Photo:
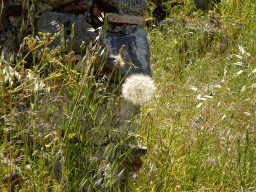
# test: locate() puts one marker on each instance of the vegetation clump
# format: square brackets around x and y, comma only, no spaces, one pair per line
[199,128]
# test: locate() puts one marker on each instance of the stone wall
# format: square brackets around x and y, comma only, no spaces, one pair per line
[125,26]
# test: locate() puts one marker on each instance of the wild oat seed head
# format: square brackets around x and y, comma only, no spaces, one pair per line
[138,88]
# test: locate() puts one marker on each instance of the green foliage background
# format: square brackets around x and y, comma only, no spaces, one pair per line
[199,128]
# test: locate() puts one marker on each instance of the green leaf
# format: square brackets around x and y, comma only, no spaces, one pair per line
[6,170]
[71,135]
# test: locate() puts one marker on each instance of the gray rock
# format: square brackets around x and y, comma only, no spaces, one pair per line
[55,3]
[205,4]
[167,22]
[136,50]
[42,7]
[119,28]
[7,44]
[138,6]
[51,22]
[199,3]
[8,167]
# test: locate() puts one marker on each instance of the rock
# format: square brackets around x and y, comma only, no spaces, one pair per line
[119,28]
[51,22]
[8,167]
[139,6]
[42,7]
[134,164]
[136,50]
[119,124]
[8,44]
[7,12]
[167,22]
[138,151]
[129,19]
[205,4]
[78,7]
[213,26]
[128,167]
[55,3]
[199,3]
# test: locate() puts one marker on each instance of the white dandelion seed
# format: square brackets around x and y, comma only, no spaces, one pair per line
[119,62]
[138,88]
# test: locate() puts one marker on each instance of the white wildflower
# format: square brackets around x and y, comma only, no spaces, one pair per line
[138,88]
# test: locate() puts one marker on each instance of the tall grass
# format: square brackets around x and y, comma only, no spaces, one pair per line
[199,128]
[62,129]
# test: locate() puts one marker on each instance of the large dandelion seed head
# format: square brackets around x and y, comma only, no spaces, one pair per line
[138,88]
